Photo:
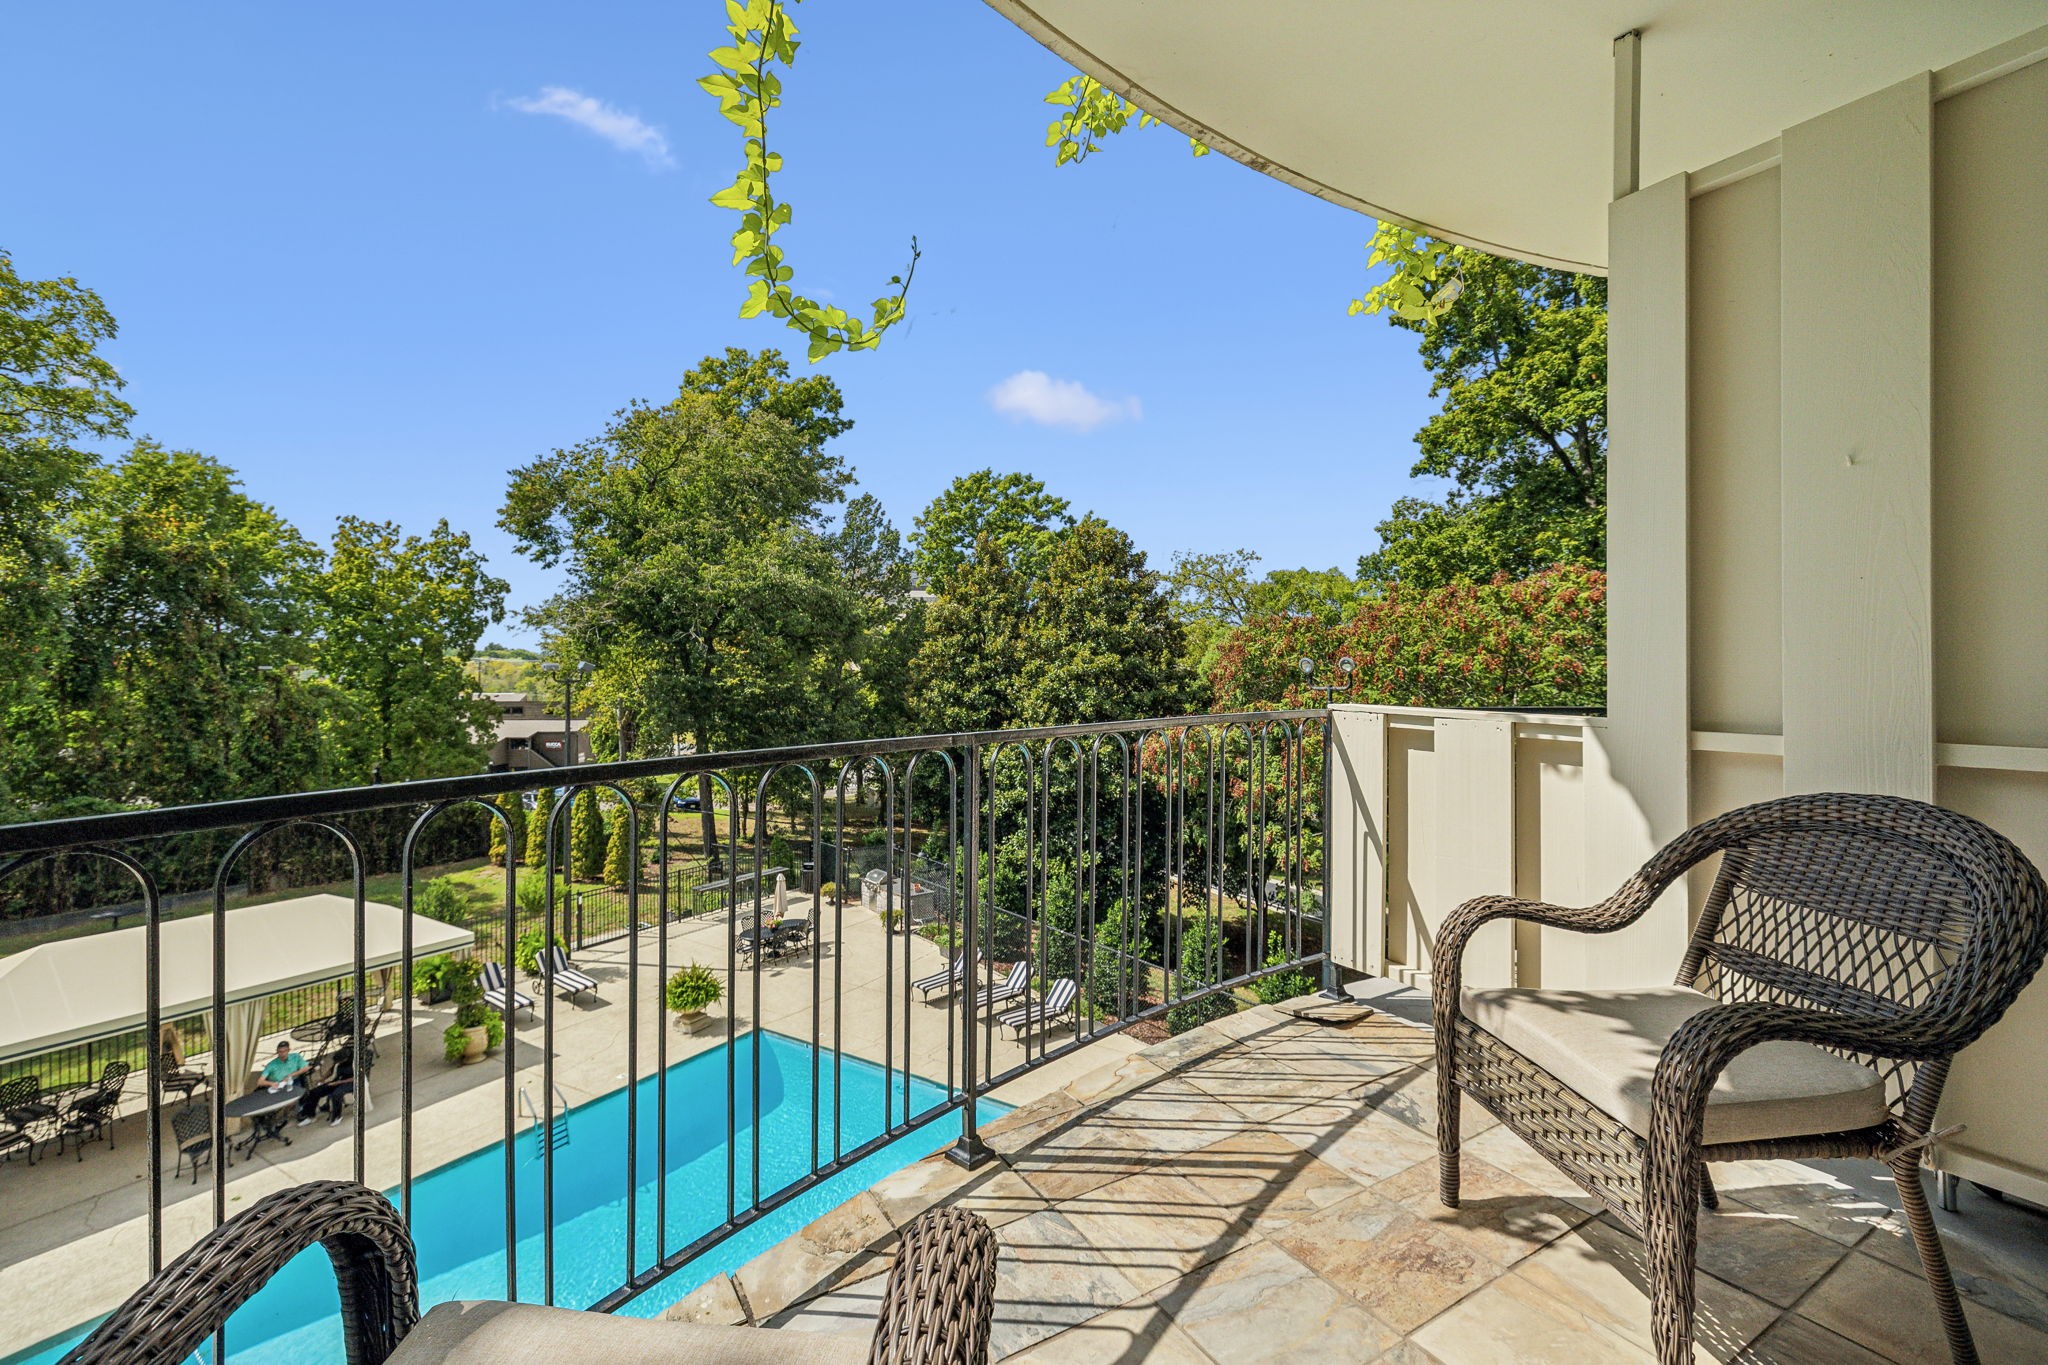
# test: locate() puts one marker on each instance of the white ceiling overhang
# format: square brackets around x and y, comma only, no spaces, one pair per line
[1490,122]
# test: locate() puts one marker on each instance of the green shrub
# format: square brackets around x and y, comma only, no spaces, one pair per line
[693,988]
[455,1043]
[526,949]
[430,975]
[1280,986]
[440,899]
[536,856]
[1201,964]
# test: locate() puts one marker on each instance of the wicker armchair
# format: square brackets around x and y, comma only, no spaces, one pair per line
[1849,948]
[939,1301]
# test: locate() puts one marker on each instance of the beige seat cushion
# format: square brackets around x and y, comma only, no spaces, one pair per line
[489,1333]
[1604,1045]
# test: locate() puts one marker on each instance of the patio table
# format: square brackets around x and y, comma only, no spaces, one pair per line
[266,1111]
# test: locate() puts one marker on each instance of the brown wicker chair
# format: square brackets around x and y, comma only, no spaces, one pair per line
[1849,948]
[936,1311]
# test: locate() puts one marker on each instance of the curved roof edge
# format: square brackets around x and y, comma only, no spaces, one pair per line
[1068,50]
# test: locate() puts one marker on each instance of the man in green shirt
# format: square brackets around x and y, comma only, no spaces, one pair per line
[283,1071]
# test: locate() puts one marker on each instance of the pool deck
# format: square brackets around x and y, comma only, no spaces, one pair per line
[73,1233]
[1265,1190]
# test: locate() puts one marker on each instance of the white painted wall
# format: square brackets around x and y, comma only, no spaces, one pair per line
[1829,546]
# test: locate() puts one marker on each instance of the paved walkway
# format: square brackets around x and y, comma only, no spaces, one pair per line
[74,1233]
[1266,1190]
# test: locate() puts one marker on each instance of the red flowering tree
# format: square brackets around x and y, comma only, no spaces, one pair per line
[1538,641]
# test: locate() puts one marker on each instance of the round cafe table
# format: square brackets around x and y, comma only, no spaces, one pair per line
[266,1111]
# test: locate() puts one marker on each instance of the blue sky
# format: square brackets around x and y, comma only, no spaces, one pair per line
[373,257]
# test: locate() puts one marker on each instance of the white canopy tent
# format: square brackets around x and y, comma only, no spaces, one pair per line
[80,989]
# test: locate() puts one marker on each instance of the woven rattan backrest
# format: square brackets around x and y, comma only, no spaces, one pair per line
[1871,905]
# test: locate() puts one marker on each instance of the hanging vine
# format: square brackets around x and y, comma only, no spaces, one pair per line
[747,87]
[1425,280]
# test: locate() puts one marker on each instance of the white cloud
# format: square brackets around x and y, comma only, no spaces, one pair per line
[623,130]
[1035,396]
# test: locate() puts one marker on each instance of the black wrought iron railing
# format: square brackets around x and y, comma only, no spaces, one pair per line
[1163,867]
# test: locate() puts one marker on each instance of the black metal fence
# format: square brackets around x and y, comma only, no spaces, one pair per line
[1153,863]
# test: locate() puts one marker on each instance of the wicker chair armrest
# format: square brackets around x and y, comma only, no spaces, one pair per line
[1701,1048]
[1447,961]
[174,1314]
[942,1293]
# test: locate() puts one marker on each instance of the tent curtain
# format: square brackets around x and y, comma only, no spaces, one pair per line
[237,1051]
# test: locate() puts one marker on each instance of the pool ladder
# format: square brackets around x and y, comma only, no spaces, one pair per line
[558,1126]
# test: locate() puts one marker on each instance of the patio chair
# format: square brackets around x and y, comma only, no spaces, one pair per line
[179,1079]
[1850,946]
[497,991]
[566,978]
[1012,987]
[942,984]
[15,1138]
[192,1129]
[22,1102]
[936,1308]
[1056,1004]
[93,1112]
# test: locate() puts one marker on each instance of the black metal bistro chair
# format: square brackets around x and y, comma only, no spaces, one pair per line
[93,1112]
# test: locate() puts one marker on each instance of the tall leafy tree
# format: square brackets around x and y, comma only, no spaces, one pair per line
[870,693]
[696,555]
[183,681]
[1520,363]
[1013,510]
[56,392]
[1100,641]
[397,616]
[965,672]
[1214,594]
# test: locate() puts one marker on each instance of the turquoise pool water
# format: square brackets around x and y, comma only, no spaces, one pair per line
[459,1208]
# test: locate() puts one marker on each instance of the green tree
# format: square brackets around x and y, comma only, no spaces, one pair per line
[698,570]
[1201,964]
[619,860]
[966,668]
[1214,594]
[586,839]
[536,855]
[1100,641]
[183,679]
[1521,366]
[56,390]
[397,617]
[511,844]
[1012,510]
[870,693]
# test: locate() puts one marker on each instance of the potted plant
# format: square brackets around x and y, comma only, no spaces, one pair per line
[689,992]
[430,979]
[477,1027]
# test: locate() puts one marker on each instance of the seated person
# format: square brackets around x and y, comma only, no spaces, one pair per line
[339,1084]
[285,1070]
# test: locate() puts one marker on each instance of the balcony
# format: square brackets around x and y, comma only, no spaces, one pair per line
[1249,1188]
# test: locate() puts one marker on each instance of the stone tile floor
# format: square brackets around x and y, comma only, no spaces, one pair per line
[1265,1190]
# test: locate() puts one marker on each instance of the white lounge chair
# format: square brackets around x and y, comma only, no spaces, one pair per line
[497,992]
[1056,1004]
[566,978]
[944,983]
[1013,987]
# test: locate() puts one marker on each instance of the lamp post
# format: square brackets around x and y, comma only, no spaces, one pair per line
[569,676]
[1333,989]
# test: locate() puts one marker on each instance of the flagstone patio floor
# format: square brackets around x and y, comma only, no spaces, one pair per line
[1266,1190]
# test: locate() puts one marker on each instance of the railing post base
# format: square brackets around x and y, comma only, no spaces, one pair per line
[970,1152]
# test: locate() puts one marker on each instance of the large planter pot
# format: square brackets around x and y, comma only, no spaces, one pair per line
[693,1021]
[433,997]
[479,1043]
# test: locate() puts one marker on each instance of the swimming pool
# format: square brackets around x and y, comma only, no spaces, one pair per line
[459,1208]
